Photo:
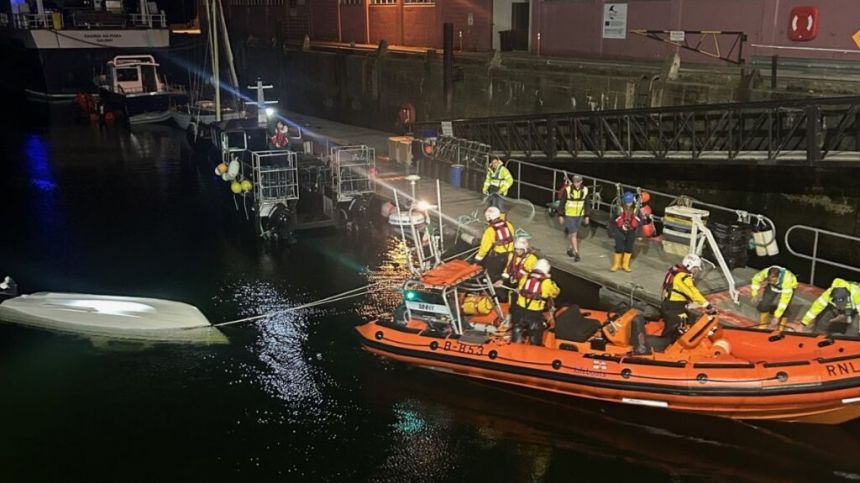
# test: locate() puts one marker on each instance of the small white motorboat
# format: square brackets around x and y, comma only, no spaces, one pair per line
[111,316]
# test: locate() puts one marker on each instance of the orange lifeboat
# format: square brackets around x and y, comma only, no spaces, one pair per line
[736,373]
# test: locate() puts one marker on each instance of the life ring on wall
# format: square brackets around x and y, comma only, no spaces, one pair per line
[406,114]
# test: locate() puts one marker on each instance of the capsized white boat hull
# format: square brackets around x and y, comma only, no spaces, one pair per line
[111,316]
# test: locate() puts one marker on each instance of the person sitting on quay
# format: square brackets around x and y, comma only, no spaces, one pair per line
[625,230]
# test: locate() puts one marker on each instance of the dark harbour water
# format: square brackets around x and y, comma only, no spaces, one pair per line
[292,398]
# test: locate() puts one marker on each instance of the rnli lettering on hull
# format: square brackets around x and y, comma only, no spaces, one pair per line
[842,369]
[94,39]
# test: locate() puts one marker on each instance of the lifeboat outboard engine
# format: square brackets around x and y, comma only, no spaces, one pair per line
[8,288]
[279,224]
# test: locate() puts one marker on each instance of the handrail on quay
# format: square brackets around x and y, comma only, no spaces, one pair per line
[813,257]
[597,184]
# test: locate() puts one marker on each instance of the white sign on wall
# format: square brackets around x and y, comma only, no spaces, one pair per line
[615,21]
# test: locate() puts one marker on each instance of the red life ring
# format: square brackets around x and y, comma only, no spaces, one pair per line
[406,113]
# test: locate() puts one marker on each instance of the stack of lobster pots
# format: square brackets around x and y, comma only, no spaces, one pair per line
[733,241]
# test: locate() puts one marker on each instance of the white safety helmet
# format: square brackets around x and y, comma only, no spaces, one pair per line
[492,213]
[521,243]
[692,262]
[543,266]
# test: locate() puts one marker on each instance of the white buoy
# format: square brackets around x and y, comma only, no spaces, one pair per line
[405,219]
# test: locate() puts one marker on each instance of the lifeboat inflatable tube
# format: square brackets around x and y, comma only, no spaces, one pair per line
[736,373]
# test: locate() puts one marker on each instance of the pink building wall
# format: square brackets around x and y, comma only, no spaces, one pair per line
[575,28]
[566,27]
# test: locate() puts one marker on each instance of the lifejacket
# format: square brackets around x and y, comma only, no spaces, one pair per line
[676,271]
[628,220]
[516,267]
[575,204]
[532,292]
[504,234]
[280,139]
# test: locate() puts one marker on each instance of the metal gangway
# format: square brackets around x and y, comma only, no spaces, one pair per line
[352,170]
[791,132]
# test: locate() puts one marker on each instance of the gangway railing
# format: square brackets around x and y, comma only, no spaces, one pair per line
[472,155]
[800,131]
[88,20]
[813,257]
[596,186]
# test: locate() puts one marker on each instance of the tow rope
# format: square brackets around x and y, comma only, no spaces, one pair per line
[327,300]
[356,292]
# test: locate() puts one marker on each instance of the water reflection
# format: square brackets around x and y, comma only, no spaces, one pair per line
[390,272]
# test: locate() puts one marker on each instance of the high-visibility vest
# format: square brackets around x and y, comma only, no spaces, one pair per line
[785,285]
[575,204]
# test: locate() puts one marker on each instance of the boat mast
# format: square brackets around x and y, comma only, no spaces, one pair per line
[228,50]
[215,66]
[144,14]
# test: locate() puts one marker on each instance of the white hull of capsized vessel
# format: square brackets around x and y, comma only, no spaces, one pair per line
[111,316]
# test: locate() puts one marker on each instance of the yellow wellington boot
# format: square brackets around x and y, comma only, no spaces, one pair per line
[763,320]
[783,321]
[626,263]
[616,263]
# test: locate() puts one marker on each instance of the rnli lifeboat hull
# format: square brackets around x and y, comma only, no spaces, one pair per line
[824,390]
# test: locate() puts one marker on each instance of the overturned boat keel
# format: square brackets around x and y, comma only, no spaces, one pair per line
[133,318]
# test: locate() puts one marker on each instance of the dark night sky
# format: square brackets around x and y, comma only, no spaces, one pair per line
[178,11]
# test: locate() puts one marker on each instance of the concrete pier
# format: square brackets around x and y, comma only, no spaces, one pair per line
[649,263]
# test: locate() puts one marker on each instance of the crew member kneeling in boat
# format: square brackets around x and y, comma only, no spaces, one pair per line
[835,311]
[496,243]
[520,262]
[8,288]
[535,290]
[778,292]
[679,289]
